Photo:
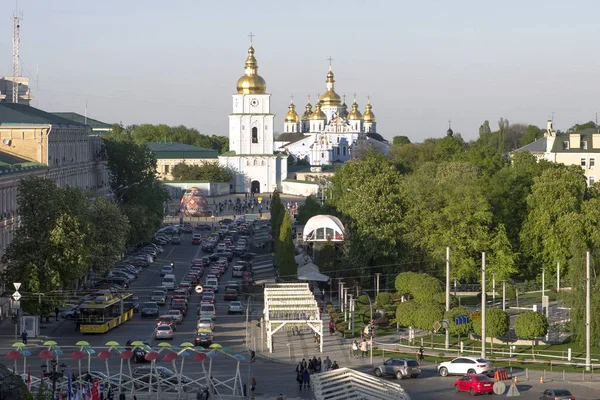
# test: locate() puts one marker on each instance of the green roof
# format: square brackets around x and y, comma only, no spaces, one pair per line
[10,162]
[82,119]
[180,151]
[586,136]
[22,114]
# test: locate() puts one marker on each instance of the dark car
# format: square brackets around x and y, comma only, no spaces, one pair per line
[139,353]
[399,367]
[204,338]
[208,298]
[149,309]
[248,256]
[179,304]
[230,295]
[123,282]
[557,394]
[168,379]
[208,247]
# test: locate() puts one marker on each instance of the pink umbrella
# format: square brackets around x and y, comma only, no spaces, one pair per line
[170,356]
[126,355]
[45,354]
[14,355]
[78,355]
[151,356]
[200,357]
[103,355]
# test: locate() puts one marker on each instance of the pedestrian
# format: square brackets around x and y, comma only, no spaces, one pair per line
[327,364]
[252,356]
[306,379]
[56,312]
[299,379]
[363,348]
[355,349]
[24,336]
[331,328]
[421,354]
[335,365]
[319,364]
[253,386]
[304,364]
[299,368]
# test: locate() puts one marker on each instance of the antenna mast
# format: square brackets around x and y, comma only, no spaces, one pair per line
[15,56]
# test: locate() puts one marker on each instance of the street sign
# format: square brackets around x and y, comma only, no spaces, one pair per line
[199,289]
[499,387]
[16,296]
[437,326]
[445,324]
[461,319]
[475,314]
[17,285]
[513,391]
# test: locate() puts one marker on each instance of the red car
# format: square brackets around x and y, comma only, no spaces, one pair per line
[475,384]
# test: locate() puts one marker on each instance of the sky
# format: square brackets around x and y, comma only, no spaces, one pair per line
[423,62]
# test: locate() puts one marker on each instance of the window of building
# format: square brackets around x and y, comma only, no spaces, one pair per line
[338,139]
[343,151]
[338,151]
[592,180]
[583,145]
[592,162]
[322,155]
[566,145]
[255,135]
[255,162]
[166,169]
[583,162]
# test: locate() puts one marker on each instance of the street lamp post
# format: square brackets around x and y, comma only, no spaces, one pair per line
[54,375]
[372,327]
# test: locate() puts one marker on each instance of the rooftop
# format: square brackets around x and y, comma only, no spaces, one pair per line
[163,150]
[82,119]
[21,114]
[9,163]
[586,137]
[537,146]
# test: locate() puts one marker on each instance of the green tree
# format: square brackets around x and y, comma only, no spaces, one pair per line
[309,209]
[423,288]
[400,140]
[383,299]
[212,172]
[532,133]
[427,314]
[497,323]
[406,314]
[284,251]
[277,212]
[581,127]
[531,325]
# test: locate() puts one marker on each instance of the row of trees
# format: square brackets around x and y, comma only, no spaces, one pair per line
[209,171]
[148,133]
[281,231]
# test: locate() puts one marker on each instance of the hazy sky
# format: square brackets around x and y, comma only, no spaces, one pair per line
[422,62]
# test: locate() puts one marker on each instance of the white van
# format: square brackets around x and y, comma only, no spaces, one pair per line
[213,284]
[169,281]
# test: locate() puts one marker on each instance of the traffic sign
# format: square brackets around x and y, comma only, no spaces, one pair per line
[16,296]
[199,289]
[17,285]
[499,387]
[513,391]
[437,326]
[461,319]
[445,324]
[475,314]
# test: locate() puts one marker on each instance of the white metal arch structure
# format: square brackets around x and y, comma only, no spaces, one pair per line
[290,304]
[348,384]
[322,228]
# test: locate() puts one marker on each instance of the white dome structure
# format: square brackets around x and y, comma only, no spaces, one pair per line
[322,228]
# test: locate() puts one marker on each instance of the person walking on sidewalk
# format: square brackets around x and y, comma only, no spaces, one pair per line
[421,355]
[355,349]
[299,375]
[24,337]
[253,386]
[363,348]
[306,379]
[327,364]
[331,328]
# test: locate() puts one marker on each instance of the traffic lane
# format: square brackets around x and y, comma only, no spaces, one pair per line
[429,385]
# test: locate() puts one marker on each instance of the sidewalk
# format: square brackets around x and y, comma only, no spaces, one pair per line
[7,333]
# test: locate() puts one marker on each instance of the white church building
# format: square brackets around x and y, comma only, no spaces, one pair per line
[251,155]
[329,134]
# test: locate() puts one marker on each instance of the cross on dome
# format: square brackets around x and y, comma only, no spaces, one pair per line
[368,99]
[251,35]
[355,97]
[330,60]
[292,99]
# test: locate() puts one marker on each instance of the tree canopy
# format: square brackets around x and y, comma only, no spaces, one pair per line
[209,171]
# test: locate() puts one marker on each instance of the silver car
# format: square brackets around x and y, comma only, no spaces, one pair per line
[399,367]
[164,332]
[158,296]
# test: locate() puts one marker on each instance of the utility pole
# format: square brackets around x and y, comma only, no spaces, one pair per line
[377,275]
[493,289]
[15,55]
[504,296]
[558,277]
[345,306]
[341,295]
[588,314]
[543,287]
[447,341]
[483,299]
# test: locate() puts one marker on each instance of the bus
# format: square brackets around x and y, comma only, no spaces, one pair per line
[105,312]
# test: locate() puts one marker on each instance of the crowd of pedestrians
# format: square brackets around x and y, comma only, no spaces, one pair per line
[314,365]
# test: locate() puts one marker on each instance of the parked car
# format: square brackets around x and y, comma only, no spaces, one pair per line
[70,313]
[176,240]
[164,332]
[557,394]
[203,227]
[476,384]
[466,365]
[399,367]
[149,309]
[235,307]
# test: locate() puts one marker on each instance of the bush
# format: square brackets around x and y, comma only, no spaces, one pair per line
[383,299]
[340,327]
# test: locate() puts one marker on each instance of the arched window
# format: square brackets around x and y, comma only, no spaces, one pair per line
[338,139]
[338,151]
[262,163]
[343,150]
[255,160]
[248,163]
[255,135]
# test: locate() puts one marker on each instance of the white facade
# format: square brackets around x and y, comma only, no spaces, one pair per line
[256,167]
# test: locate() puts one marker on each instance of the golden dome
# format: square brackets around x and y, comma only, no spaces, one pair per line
[368,116]
[307,111]
[318,114]
[355,114]
[330,98]
[291,115]
[251,82]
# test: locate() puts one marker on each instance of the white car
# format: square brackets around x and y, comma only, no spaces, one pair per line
[466,365]
[235,307]
[176,315]
[164,332]
[206,323]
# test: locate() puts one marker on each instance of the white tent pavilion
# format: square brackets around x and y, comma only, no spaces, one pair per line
[290,304]
[348,384]
[322,228]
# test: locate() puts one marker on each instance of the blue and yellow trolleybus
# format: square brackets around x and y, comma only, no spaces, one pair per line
[105,312]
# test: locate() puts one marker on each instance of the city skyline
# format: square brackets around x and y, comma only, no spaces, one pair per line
[421,64]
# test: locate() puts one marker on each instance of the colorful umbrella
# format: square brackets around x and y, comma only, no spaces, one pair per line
[103,355]
[170,356]
[126,355]
[13,355]
[45,354]
[151,356]
[200,357]
[78,355]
